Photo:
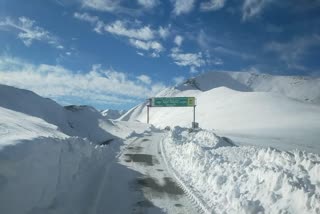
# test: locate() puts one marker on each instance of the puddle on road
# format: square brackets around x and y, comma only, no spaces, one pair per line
[141,206]
[107,142]
[169,187]
[141,158]
[145,203]
[135,148]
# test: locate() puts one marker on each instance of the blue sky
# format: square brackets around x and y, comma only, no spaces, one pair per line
[114,54]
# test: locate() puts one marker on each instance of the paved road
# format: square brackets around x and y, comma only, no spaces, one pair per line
[140,182]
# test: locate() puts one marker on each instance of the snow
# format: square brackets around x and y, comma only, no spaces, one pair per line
[15,126]
[56,159]
[83,121]
[244,179]
[247,117]
[297,87]
[112,114]
[50,175]
[49,158]
[74,159]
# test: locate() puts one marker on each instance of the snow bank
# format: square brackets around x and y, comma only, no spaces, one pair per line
[48,175]
[244,179]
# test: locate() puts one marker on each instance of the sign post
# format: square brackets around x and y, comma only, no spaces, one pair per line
[173,102]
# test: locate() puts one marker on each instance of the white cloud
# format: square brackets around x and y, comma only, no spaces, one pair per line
[164,32]
[142,38]
[119,28]
[149,45]
[101,5]
[187,59]
[140,53]
[216,61]
[212,5]
[86,17]
[93,20]
[97,85]
[148,3]
[178,40]
[178,80]
[292,51]
[28,31]
[111,6]
[228,51]
[252,8]
[193,70]
[182,6]
[145,79]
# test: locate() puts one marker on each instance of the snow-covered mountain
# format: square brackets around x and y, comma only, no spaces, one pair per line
[46,149]
[80,121]
[112,114]
[249,108]
[297,87]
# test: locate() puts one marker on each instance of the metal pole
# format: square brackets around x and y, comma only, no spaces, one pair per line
[194,114]
[148,114]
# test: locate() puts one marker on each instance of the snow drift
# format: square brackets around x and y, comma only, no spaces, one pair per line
[244,179]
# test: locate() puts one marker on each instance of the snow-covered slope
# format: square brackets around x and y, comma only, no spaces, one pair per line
[15,126]
[112,114]
[49,160]
[82,121]
[301,88]
[247,117]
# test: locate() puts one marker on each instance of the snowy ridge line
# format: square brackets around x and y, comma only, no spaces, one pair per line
[204,208]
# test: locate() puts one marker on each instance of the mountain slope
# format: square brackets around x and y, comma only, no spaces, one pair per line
[247,117]
[82,121]
[301,88]
[112,114]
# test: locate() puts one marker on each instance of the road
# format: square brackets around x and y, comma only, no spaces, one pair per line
[139,182]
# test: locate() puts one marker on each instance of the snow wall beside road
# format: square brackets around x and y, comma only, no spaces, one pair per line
[49,175]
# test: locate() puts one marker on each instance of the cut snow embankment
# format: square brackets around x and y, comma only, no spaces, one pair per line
[245,179]
[47,175]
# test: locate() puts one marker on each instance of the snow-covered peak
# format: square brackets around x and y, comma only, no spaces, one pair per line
[112,114]
[305,89]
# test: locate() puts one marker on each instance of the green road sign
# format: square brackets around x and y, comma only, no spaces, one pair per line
[172,102]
